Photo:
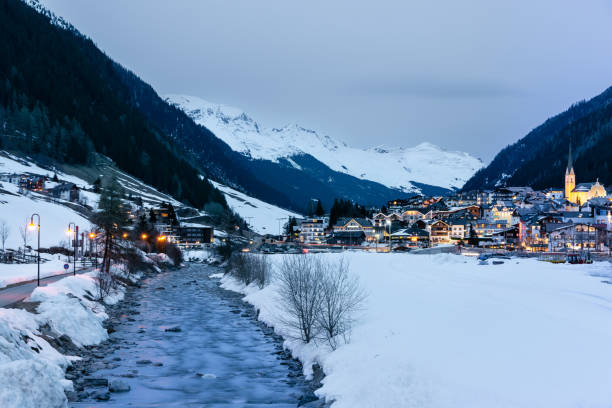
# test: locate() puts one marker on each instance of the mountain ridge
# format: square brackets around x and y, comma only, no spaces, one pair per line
[393,167]
[539,158]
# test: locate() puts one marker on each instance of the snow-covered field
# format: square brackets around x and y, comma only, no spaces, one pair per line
[261,216]
[393,167]
[441,331]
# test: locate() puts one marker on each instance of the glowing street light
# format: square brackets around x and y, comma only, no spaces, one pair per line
[161,238]
[75,230]
[144,237]
[124,235]
[32,226]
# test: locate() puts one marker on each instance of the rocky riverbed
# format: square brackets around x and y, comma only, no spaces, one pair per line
[179,340]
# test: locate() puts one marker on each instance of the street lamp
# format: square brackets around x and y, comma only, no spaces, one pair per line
[92,236]
[31,226]
[75,232]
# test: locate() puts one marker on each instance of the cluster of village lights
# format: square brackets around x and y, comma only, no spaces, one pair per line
[72,229]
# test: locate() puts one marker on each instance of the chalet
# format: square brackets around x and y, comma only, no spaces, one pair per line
[485,228]
[66,191]
[459,228]
[355,224]
[31,182]
[502,212]
[439,232]
[192,233]
[411,238]
[347,237]
[412,215]
[578,237]
[602,213]
[553,193]
[509,237]
[577,217]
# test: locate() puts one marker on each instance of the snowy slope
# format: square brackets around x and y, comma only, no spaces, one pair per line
[392,167]
[262,217]
[16,208]
[444,332]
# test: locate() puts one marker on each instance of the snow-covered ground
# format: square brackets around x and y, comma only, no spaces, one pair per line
[31,370]
[16,210]
[393,167]
[15,273]
[261,216]
[441,331]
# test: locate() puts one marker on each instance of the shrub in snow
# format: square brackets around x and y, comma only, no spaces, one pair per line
[340,299]
[174,253]
[250,268]
[32,384]
[319,298]
[300,284]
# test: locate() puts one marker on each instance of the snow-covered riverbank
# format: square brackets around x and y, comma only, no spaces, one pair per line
[64,313]
[442,331]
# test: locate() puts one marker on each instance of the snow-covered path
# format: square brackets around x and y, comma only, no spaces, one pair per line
[219,358]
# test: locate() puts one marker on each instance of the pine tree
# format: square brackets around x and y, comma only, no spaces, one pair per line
[109,219]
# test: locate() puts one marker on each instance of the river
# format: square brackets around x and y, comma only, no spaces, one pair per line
[182,341]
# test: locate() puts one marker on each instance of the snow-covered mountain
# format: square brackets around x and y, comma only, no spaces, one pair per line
[397,168]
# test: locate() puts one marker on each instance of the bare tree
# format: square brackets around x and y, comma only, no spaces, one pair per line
[300,279]
[341,297]
[23,232]
[4,233]
[250,268]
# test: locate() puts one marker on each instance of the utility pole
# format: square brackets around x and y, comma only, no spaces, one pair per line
[279,225]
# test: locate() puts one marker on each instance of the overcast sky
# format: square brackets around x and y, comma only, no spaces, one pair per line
[469,75]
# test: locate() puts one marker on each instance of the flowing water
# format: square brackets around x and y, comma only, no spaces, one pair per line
[216,354]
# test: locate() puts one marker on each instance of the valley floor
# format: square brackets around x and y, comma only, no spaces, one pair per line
[443,331]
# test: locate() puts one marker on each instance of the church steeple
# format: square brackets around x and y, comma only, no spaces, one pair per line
[570,177]
[570,163]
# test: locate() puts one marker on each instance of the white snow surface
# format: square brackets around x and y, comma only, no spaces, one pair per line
[16,273]
[31,370]
[261,216]
[32,384]
[393,167]
[441,331]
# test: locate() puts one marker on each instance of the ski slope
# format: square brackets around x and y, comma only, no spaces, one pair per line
[262,217]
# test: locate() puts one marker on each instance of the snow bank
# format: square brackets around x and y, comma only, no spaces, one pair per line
[31,370]
[442,331]
[32,384]
[68,306]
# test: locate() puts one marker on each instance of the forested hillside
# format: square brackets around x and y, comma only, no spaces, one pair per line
[62,98]
[539,159]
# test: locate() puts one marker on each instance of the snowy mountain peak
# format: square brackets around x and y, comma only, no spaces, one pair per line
[394,167]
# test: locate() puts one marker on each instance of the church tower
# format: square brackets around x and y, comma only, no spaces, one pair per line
[570,176]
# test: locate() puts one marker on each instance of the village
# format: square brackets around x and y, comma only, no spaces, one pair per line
[553,223]
[572,223]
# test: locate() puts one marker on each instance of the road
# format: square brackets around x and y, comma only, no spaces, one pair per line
[15,293]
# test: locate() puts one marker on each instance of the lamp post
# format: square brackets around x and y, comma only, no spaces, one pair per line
[92,235]
[74,231]
[37,226]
